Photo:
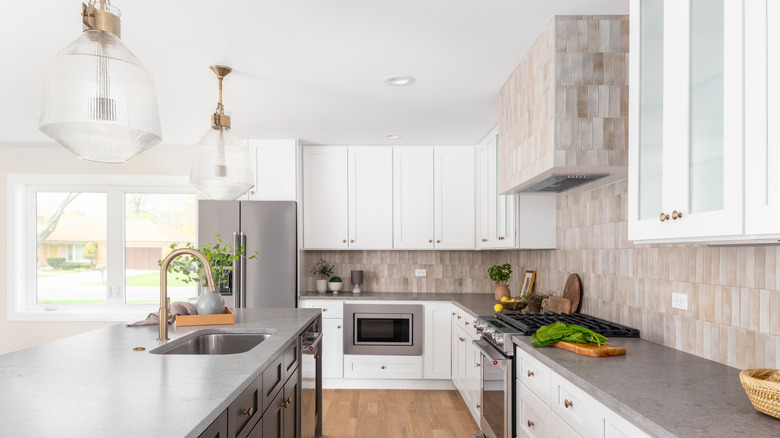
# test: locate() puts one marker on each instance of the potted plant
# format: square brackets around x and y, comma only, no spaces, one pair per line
[534,300]
[500,275]
[323,270]
[221,256]
[335,284]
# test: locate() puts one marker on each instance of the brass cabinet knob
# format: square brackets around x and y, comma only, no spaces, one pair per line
[383,367]
[478,364]
[461,339]
[251,192]
[430,241]
[338,326]
[438,241]
[344,241]
[459,317]
[324,310]
[467,323]
[484,240]
[351,241]
[247,412]
[567,403]
[501,238]
[530,373]
[664,217]
[453,313]
[676,215]
[478,406]
[530,423]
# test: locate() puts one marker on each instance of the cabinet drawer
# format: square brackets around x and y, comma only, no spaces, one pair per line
[244,412]
[382,367]
[330,308]
[532,415]
[574,406]
[291,355]
[559,428]
[615,426]
[273,380]
[217,429]
[533,374]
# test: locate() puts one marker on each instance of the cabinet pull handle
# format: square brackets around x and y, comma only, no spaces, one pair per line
[676,215]
[247,412]
[453,313]
[351,241]
[664,217]
[478,365]
[438,241]
[478,406]
[501,238]
[383,367]
[324,310]
[459,316]
[484,240]
[462,340]
[467,323]
[530,373]
[567,403]
[251,192]
[344,241]
[530,423]
[338,326]
[430,241]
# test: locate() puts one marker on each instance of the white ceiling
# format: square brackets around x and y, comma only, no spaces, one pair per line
[310,69]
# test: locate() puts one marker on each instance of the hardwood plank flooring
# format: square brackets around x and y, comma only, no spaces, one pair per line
[380,413]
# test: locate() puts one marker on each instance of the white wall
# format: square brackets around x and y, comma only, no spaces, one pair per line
[161,160]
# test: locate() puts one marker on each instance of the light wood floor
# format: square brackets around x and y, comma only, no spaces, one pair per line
[379,413]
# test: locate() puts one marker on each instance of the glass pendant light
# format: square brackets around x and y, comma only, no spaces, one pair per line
[220,165]
[99,100]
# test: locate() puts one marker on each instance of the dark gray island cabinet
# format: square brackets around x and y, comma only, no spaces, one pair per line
[270,406]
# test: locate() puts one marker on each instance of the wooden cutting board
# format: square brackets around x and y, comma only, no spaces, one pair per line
[592,350]
[573,292]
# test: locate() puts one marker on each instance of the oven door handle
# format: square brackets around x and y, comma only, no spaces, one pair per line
[310,348]
[490,352]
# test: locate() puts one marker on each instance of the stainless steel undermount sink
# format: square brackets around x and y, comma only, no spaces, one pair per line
[214,342]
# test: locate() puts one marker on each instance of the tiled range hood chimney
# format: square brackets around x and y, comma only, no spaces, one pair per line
[563,113]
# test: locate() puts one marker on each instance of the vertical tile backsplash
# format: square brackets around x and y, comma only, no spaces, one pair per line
[733,314]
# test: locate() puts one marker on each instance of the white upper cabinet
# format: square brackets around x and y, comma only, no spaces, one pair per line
[525,221]
[275,166]
[453,188]
[412,197]
[325,197]
[370,197]
[686,112]
[348,197]
[762,111]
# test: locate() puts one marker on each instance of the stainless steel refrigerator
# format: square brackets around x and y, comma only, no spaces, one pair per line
[268,227]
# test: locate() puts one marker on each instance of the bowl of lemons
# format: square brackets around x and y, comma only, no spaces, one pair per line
[510,305]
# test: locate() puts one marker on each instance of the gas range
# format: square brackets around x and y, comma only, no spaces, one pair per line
[498,329]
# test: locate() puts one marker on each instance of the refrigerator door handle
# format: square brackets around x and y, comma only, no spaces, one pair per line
[237,286]
[242,263]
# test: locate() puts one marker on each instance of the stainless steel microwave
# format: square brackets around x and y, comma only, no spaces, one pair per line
[392,329]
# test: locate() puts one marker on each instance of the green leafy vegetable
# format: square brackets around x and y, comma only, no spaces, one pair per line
[558,331]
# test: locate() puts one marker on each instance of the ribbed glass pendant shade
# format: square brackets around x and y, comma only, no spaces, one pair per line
[99,100]
[220,165]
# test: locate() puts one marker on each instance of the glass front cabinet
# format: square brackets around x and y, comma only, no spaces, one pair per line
[687,116]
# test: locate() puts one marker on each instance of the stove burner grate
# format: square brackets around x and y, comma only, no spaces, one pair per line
[528,323]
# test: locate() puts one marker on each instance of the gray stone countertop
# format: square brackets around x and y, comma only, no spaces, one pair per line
[95,385]
[666,392]
[475,304]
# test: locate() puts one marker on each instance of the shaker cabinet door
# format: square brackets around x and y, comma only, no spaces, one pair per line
[325,209]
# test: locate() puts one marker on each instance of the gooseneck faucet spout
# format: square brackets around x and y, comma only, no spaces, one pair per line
[165,302]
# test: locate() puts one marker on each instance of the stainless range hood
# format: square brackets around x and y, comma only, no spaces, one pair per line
[561,183]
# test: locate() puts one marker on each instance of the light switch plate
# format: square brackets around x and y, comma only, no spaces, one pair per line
[420,272]
[680,301]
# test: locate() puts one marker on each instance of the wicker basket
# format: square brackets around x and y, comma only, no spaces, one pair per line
[763,389]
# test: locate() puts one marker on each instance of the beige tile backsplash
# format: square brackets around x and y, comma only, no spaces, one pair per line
[733,314]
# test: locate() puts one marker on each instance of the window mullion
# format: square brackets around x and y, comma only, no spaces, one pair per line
[116,245]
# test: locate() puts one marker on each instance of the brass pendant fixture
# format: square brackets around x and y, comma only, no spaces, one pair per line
[220,164]
[99,101]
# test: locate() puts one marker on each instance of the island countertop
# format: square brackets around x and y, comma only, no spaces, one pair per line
[95,384]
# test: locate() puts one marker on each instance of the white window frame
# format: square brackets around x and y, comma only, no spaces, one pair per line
[22,305]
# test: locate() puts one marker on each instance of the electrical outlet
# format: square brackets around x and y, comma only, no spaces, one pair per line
[420,273]
[680,301]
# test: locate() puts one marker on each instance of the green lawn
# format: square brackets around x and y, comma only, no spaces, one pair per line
[151,279]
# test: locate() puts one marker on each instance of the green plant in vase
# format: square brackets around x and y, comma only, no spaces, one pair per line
[322,270]
[500,274]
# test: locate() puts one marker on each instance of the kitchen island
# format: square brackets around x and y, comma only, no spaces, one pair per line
[96,384]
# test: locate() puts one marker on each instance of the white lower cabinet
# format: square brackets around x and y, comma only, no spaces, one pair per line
[382,367]
[466,367]
[332,336]
[436,346]
[562,410]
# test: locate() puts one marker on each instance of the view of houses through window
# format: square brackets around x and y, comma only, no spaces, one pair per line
[74,246]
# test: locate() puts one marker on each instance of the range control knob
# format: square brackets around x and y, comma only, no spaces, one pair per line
[479,326]
[498,338]
[488,332]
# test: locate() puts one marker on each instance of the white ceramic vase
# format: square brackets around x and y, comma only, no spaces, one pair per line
[335,286]
[322,286]
[210,303]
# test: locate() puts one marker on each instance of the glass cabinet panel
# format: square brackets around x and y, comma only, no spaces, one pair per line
[706,106]
[651,108]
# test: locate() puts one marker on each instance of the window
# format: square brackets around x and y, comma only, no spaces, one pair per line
[86,246]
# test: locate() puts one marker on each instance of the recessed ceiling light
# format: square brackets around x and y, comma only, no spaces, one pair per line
[399,80]
[393,136]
